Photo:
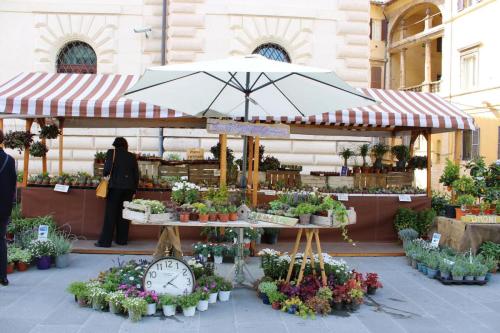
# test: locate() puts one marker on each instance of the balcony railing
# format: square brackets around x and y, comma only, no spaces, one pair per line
[424,87]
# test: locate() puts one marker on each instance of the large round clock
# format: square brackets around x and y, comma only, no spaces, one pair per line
[169,275]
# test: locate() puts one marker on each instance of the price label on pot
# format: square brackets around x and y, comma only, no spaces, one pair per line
[342,197]
[435,239]
[43,232]
[404,198]
[61,188]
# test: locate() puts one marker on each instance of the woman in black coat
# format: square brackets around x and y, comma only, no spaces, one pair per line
[123,183]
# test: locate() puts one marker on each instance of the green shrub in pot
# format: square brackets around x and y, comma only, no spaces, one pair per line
[451,173]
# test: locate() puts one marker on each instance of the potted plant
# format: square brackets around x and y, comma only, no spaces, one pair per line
[363,152]
[265,288]
[458,271]
[432,264]
[202,210]
[42,251]
[379,150]
[188,304]
[304,211]
[233,212]
[81,292]
[223,214]
[23,259]
[10,264]
[372,283]
[136,307]
[210,282]
[203,297]
[184,213]
[97,297]
[469,266]
[38,149]
[225,288]
[49,132]
[99,157]
[402,153]
[465,201]
[184,192]
[152,299]
[479,271]
[451,173]
[276,298]
[218,252]
[346,154]
[212,214]
[62,250]
[19,140]
[444,269]
[168,303]
[115,301]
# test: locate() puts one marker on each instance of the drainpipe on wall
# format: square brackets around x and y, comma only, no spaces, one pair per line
[161,137]
[386,58]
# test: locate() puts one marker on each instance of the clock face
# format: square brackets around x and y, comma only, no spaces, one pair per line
[169,276]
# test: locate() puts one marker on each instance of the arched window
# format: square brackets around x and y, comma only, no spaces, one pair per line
[77,57]
[273,51]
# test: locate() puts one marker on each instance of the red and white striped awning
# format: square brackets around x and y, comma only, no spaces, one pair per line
[100,96]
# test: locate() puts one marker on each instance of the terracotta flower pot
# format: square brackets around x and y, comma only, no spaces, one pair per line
[475,210]
[184,217]
[10,267]
[223,217]
[459,213]
[194,216]
[21,266]
[212,217]
[203,217]
[276,305]
[233,216]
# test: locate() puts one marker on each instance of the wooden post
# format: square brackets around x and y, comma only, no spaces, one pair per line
[41,122]
[255,182]
[320,255]
[294,253]
[309,236]
[29,123]
[61,145]
[250,160]
[457,154]
[1,124]
[414,137]
[393,143]
[428,137]
[223,159]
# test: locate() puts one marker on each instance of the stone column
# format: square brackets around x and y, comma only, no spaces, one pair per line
[402,69]
[428,19]
[427,67]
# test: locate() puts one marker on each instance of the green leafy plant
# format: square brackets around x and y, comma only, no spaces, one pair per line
[38,149]
[425,219]
[464,185]
[363,152]
[465,200]
[402,153]
[201,208]
[417,162]
[325,293]
[407,234]
[155,206]
[49,132]
[19,140]
[168,300]
[379,150]
[40,248]
[405,218]
[136,307]
[276,297]
[116,298]
[490,249]
[346,154]
[61,244]
[267,287]
[450,174]
[79,289]
[438,202]
[187,301]
[305,208]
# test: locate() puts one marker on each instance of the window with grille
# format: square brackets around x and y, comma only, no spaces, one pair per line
[77,57]
[470,144]
[273,51]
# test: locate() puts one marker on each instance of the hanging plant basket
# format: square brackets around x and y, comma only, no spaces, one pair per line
[49,132]
[19,140]
[38,149]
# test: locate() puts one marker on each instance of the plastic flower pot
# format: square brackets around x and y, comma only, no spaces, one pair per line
[212,297]
[21,266]
[202,305]
[168,310]
[292,310]
[203,217]
[469,278]
[223,217]
[371,290]
[265,299]
[419,266]
[151,310]
[62,261]
[414,263]
[480,278]
[431,273]
[458,278]
[445,275]
[10,267]
[96,305]
[189,312]
[233,216]
[113,308]
[424,269]
[134,316]
[487,277]
[184,217]
[217,259]
[354,306]
[43,262]
[224,295]
[337,306]
[305,218]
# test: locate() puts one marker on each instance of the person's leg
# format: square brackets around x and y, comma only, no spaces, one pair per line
[122,225]
[110,218]
[3,250]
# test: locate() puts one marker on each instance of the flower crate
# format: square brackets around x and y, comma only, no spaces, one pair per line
[204,173]
[330,220]
[142,214]
[284,220]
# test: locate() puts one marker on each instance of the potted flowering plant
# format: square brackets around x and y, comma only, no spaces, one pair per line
[81,292]
[10,261]
[22,259]
[152,299]
[203,296]
[372,283]
[97,296]
[202,210]
[218,252]
[188,304]
[168,304]
[210,282]
[19,140]
[42,251]
[136,307]
[225,288]
[223,214]
[265,288]
[115,301]
[185,193]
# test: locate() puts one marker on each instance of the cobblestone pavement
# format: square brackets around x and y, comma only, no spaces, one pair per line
[36,301]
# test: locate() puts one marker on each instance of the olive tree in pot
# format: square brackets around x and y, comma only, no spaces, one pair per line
[402,153]
[346,154]
[363,152]
[63,248]
[379,150]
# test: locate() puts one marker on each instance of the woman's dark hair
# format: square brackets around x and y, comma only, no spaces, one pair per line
[1,137]
[120,142]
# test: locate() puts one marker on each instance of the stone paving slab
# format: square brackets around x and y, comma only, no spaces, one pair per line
[36,301]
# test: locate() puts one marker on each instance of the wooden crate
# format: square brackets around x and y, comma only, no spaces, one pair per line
[313,181]
[149,169]
[340,181]
[399,179]
[98,169]
[174,170]
[289,179]
[370,180]
[205,174]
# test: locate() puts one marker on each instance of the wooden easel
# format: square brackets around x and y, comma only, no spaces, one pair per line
[308,253]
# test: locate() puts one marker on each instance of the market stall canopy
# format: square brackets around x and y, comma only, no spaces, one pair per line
[246,86]
[95,100]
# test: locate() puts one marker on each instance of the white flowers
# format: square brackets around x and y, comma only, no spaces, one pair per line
[268,252]
[131,278]
[184,185]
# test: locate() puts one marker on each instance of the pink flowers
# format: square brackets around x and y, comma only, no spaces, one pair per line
[149,296]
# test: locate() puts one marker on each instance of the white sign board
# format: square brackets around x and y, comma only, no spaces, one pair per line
[218,126]
[343,197]
[61,188]
[43,232]
[404,198]
[435,239]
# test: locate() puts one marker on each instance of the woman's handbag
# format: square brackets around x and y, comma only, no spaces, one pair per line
[102,188]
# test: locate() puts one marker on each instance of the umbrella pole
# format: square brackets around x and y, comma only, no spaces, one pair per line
[245,141]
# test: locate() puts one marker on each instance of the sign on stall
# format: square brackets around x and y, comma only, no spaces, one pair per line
[194,154]
[343,197]
[219,126]
[343,171]
[43,232]
[404,198]
[61,188]
[435,239]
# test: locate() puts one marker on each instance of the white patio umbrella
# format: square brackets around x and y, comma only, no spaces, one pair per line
[246,87]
